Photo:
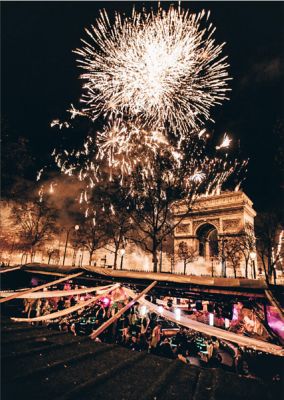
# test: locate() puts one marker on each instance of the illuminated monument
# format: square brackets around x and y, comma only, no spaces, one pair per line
[206,227]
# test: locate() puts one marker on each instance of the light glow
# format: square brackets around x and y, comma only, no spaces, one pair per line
[177,313]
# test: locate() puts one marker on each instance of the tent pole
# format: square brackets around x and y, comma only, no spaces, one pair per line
[110,321]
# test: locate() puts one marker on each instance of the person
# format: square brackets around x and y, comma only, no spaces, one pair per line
[67,286]
[165,349]
[178,337]
[144,324]
[73,301]
[215,361]
[142,340]
[152,322]
[184,357]
[134,326]
[60,304]
[216,346]
[123,327]
[32,308]
[187,359]
[38,307]
[46,308]
[29,306]
[181,341]
[238,362]
[67,303]
[156,335]
[209,349]
[245,368]
[63,325]
[132,317]
[219,358]
[73,328]
[134,345]
[26,306]
[101,314]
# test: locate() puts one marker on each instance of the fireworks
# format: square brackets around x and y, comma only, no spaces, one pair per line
[60,124]
[51,188]
[125,146]
[153,79]
[198,177]
[225,143]
[161,68]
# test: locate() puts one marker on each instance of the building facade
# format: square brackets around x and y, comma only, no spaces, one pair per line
[207,227]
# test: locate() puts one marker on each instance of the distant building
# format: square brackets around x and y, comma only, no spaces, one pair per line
[212,220]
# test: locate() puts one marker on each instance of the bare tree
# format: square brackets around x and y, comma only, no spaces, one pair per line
[153,201]
[232,253]
[53,255]
[187,254]
[36,222]
[6,246]
[91,235]
[116,231]
[153,218]
[270,247]
[117,219]
[247,244]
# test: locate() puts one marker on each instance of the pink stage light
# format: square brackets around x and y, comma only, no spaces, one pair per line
[105,301]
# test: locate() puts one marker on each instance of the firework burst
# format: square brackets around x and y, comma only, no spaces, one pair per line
[225,142]
[153,79]
[161,68]
[125,145]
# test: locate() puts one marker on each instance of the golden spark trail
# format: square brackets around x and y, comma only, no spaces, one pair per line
[160,68]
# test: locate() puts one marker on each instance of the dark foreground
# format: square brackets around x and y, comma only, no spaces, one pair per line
[38,363]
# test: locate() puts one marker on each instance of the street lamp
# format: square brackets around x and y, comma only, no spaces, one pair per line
[253,256]
[76,227]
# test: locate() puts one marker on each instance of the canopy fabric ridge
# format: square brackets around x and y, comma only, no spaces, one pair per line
[54,293]
[35,289]
[210,330]
[4,270]
[275,303]
[166,277]
[68,310]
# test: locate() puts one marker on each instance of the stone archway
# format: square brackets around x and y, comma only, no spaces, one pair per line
[207,237]
[213,217]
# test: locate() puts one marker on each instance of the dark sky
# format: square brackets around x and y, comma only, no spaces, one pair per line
[40,76]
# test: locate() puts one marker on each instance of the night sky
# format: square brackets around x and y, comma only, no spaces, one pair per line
[40,77]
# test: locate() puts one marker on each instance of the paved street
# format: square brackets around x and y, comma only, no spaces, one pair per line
[46,364]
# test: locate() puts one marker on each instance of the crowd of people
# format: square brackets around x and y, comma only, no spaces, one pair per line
[135,330]
[138,330]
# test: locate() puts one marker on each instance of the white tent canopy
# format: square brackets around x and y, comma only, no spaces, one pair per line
[210,330]
[54,293]
[68,310]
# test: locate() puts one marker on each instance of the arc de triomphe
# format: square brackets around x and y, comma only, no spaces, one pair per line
[211,219]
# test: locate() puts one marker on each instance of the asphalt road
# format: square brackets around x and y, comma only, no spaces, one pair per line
[38,363]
